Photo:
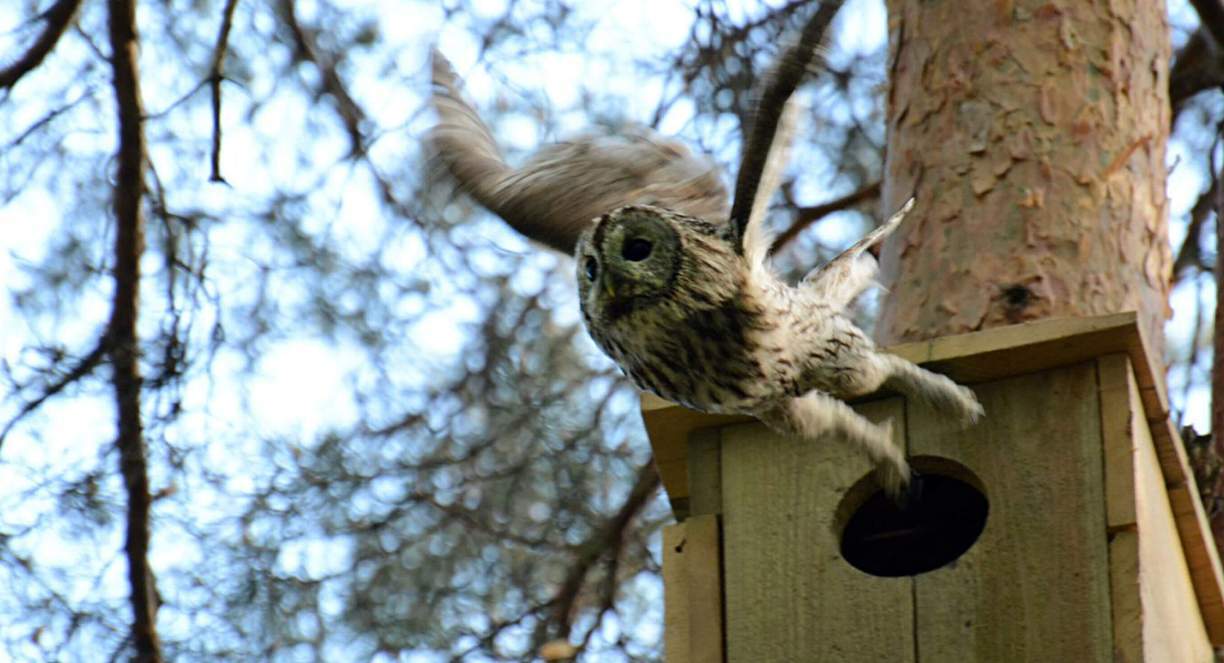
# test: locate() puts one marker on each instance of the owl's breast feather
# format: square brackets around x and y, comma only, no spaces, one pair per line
[724,358]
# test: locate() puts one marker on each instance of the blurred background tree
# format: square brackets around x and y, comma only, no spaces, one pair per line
[371,425]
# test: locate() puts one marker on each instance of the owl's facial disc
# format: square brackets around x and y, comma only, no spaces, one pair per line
[637,254]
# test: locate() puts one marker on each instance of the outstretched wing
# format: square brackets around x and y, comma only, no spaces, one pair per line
[556,194]
[752,188]
[845,277]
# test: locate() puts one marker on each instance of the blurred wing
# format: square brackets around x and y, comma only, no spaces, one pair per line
[752,191]
[556,194]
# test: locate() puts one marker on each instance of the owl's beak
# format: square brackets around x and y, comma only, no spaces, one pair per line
[609,287]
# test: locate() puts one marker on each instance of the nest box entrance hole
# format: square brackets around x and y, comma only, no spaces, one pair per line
[938,520]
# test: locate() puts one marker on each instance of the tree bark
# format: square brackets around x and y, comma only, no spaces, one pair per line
[1033,134]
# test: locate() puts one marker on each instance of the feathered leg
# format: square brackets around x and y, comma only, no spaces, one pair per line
[933,389]
[816,414]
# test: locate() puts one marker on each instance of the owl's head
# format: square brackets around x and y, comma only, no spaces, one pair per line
[628,260]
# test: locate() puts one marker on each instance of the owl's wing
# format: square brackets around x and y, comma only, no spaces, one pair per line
[759,167]
[846,276]
[564,186]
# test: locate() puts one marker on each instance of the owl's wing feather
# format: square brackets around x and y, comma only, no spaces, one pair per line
[846,276]
[562,188]
[758,237]
[460,141]
[760,139]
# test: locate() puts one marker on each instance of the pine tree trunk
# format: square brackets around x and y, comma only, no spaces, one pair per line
[1033,135]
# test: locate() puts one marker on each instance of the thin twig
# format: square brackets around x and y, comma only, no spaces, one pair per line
[308,49]
[806,216]
[215,76]
[124,340]
[58,17]
[82,368]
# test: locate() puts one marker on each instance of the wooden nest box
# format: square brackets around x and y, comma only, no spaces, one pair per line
[1065,526]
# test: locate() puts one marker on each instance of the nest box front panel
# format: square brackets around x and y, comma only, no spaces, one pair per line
[1035,587]
[789,594]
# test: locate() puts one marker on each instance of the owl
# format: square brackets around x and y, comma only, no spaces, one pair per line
[693,314]
[675,285]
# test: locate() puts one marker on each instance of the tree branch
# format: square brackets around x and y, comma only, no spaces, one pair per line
[1196,67]
[1199,65]
[308,49]
[806,216]
[125,343]
[1211,17]
[1189,254]
[215,76]
[609,538]
[82,368]
[58,17]
[1217,372]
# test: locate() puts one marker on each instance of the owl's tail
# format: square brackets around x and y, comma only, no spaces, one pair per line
[937,391]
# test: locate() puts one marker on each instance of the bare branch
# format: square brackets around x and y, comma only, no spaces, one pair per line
[1217,370]
[308,49]
[82,368]
[1196,67]
[215,76]
[1211,17]
[125,344]
[58,18]
[806,216]
[1189,255]
[606,541]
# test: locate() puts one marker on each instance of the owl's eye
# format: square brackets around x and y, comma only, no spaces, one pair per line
[591,267]
[636,249]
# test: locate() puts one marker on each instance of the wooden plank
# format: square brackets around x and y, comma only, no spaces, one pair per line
[1126,606]
[1194,529]
[1115,382]
[675,596]
[1035,587]
[789,594]
[705,471]
[692,592]
[1173,628]
[704,574]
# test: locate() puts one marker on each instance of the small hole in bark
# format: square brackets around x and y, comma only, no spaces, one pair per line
[1017,296]
[939,520]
